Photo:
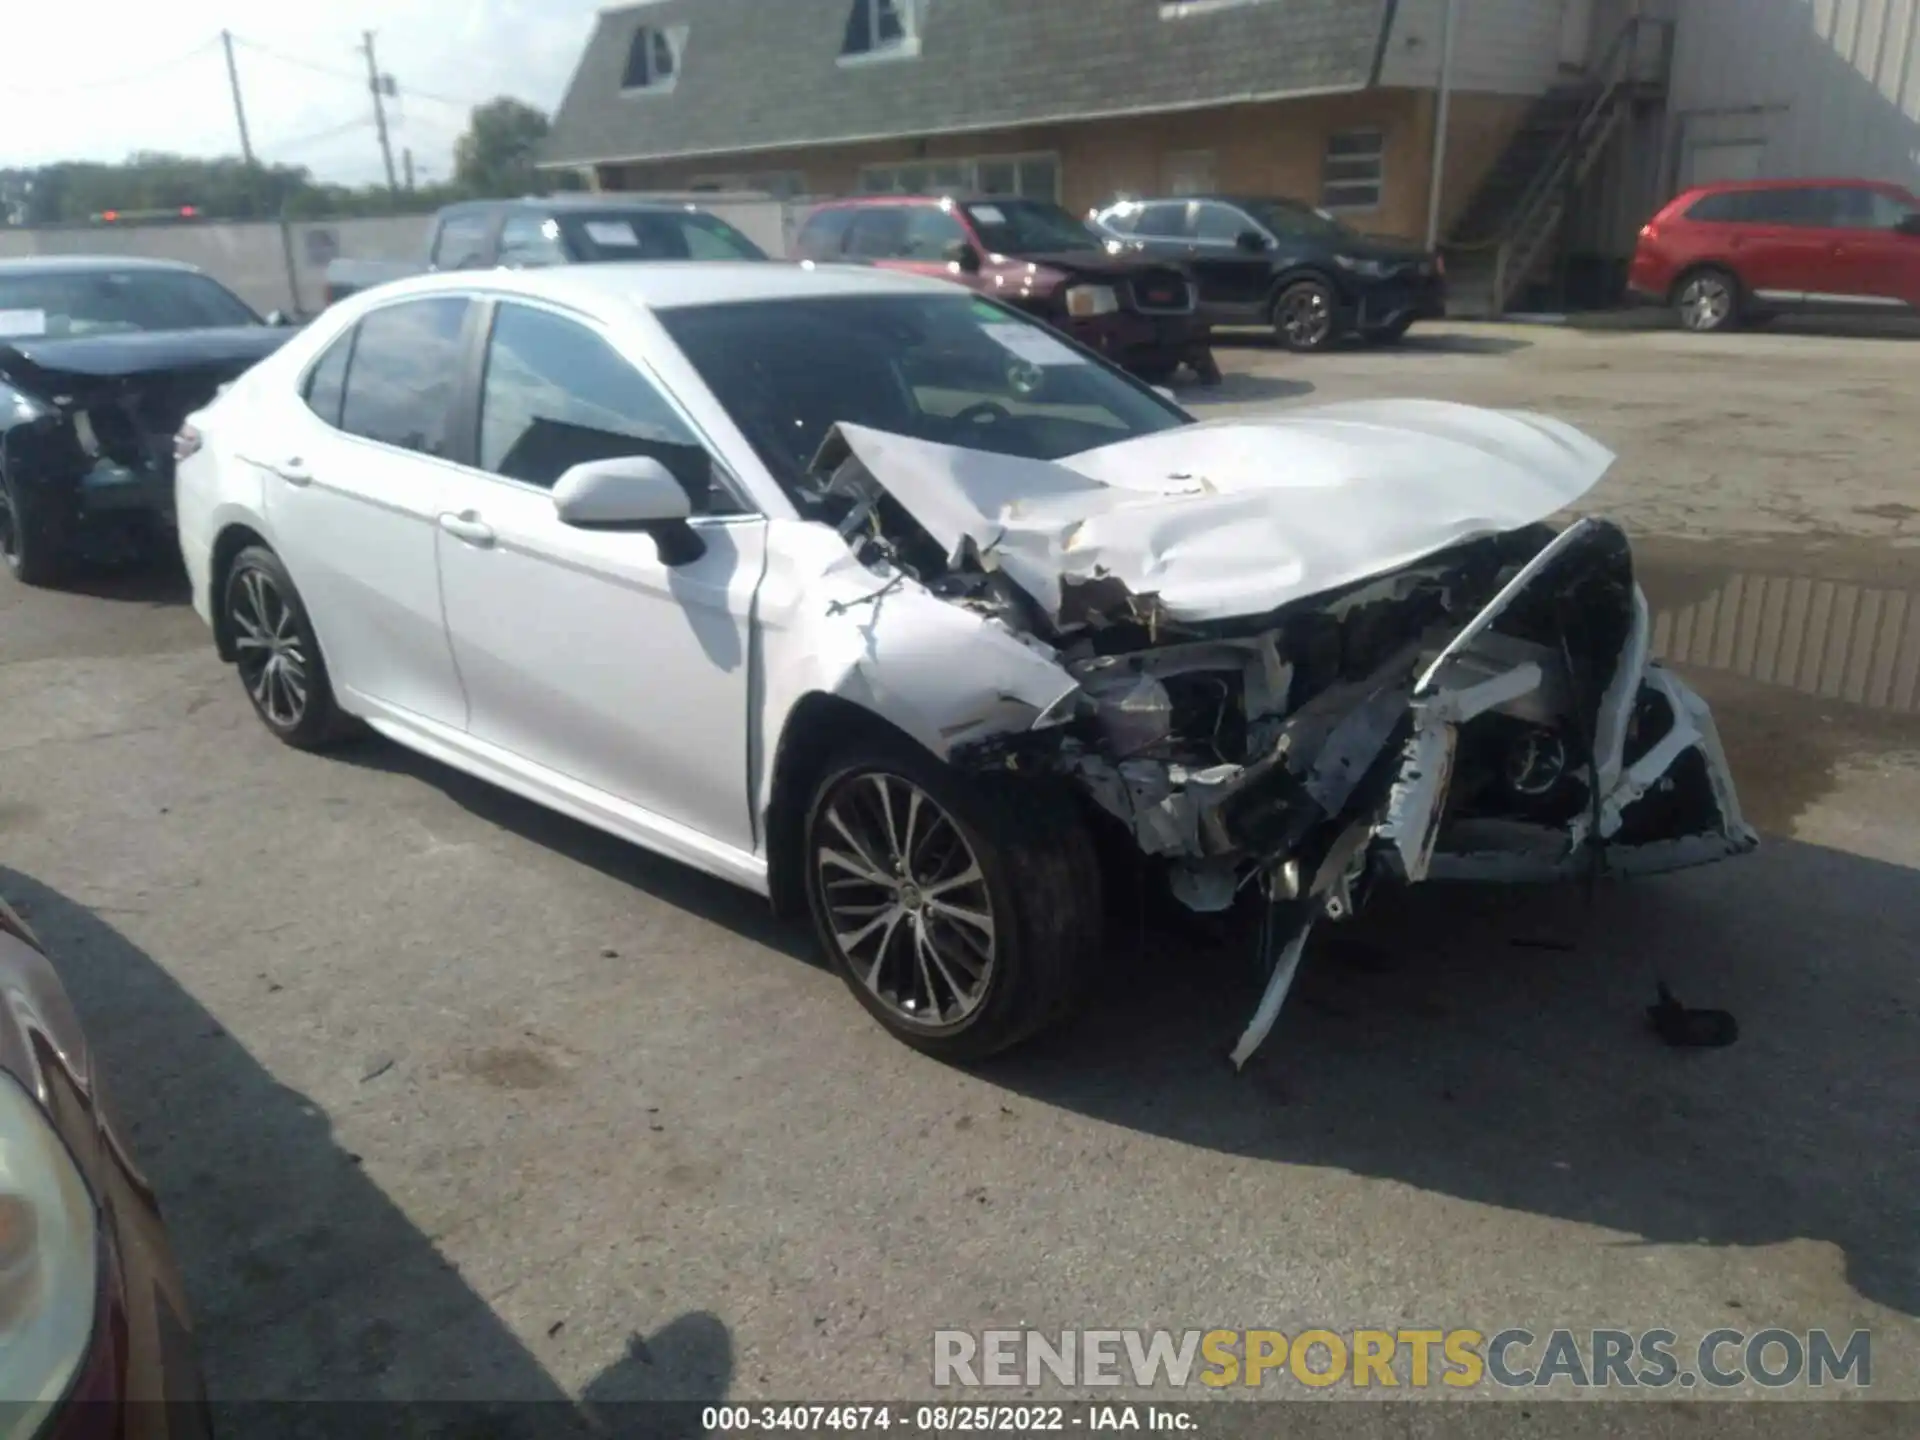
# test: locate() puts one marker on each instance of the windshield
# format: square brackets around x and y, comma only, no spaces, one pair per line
[105,302]
[656,235]
[1029,227]
[959,370]
[1286,218]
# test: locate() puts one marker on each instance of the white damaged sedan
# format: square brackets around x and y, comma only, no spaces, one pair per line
[888,603]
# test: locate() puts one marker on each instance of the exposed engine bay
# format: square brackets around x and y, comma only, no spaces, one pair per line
[1486,709]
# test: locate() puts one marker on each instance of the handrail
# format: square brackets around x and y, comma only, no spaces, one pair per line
[1616,69]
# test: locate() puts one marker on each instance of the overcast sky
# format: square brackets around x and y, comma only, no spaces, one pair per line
[98,79]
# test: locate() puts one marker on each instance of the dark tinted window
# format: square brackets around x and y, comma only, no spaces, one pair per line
[102,302]
[1796,206]
[931,233]
[556,395]
[1162,222]
[530,240]
[879,232]
[1029,227]
[824,233]
[462,242]
[1721,209]
[327,381]
[656,235]
[405,371]
[956,369]
[1856,207]
[1219,224]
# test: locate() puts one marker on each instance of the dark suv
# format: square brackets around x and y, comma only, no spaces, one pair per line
[1033,255]
[1285,264]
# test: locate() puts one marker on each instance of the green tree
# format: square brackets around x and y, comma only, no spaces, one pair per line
[498,153]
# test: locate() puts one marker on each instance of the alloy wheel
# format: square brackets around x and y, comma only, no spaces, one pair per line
[1706,303]
[905,900]
[266,641]
[1306,317]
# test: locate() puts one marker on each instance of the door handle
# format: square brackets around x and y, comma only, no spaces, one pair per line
[468,527]
[293,470]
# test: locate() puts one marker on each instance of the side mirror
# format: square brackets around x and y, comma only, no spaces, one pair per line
[1909,224]
[279,319]
[631,492]
[1251,241]
[962,253]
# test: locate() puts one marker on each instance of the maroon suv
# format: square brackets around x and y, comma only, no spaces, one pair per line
[1138,313]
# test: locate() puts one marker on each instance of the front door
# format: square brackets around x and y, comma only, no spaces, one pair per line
[1874,266]
[582,651]
[354,480]
[1233,277]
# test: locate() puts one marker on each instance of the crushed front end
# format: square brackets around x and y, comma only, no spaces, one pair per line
[1487,711]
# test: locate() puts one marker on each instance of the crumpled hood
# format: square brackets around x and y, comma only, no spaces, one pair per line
[1238,517]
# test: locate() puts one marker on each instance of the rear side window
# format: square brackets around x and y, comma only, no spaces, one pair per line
[879,232]
[1722,209]
[530,241]
[405,373]
[556,395]
[461,243]
[327,381]
[931,233]
[823,234]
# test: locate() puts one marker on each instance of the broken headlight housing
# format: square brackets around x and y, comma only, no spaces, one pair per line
[1088,302]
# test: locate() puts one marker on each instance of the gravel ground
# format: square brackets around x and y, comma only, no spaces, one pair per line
[447,1097]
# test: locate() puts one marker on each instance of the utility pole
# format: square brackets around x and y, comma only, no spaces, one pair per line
[406,167]
[239,108]
[1442,104]
[378,84]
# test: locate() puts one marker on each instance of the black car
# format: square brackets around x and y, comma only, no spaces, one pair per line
[1282,263]
[101,358]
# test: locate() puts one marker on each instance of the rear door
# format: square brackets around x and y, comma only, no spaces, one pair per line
[355,484]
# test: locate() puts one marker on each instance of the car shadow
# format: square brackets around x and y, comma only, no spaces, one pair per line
[1646,318]
[160,581]
[306,1281]
[679,885]
[1490,1043]
[1240,388]
[1416,343]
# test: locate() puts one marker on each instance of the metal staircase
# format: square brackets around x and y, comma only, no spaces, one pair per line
[1508,229]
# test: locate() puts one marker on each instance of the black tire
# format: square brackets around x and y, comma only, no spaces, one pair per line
[1391,334]
[36,535]
[1306,317]
[1038,881]
[262,613]
[1709,301]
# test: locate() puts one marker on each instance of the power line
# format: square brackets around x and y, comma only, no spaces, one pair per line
[161,69]
[315,137]
[347,75]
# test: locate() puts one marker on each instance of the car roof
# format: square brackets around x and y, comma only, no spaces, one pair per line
[1798,182]
[569,203]
[675,284]
[88,264]
[856,202]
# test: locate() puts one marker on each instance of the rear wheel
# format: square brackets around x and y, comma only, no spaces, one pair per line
[35,534]
[1304,316]
[277,654]
[1708,301]
[962,912]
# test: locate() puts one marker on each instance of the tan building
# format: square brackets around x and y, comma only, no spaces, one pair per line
[1083,101]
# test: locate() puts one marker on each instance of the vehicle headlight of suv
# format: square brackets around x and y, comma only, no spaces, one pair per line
[1369,269]
[1084,302]
[49,1257]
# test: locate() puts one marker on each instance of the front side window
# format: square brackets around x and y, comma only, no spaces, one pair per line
[461,243]
[104,302]
[879,232]
[955,369]
[405,373]
[932,233]
[1219,224]
[824,234]
[655,235]
[1289,219]
[1029,227]
[556,395]
[1162,221]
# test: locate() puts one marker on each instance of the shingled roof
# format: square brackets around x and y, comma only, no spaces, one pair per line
[765,74]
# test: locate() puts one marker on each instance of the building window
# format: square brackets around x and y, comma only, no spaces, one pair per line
[882,29]
[781,184]
[1351,174]
[1033,177]
[653,60]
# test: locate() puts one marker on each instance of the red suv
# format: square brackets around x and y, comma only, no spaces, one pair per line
[1723,255]
[1033,255]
